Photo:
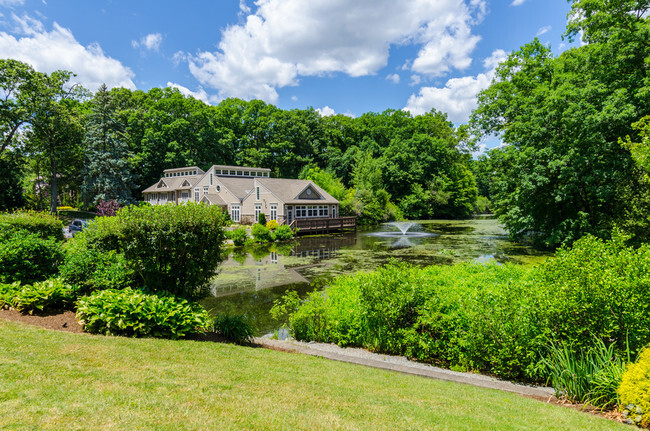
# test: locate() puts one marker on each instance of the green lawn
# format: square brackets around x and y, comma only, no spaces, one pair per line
[56,380]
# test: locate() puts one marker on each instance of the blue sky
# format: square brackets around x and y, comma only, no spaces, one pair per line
[337,56]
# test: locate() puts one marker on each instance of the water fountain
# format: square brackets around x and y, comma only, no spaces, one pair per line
[403,233]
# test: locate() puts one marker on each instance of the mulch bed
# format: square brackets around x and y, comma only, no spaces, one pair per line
[59,322]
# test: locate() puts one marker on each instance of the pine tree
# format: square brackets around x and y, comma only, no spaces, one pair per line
[107,174]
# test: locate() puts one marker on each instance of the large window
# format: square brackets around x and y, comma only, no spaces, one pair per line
[312,211]
[274,211]
[196,194]
[235,213]
[185,196]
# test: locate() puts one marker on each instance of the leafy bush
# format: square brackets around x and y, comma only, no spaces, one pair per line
[284,233]
[496,319]
[238,236]
[634,391]
[272,224]
[235,328]
[585,377]
[90,269]
[262,234]
[262,219]
[42,297]
[42,224]
[598,289]
[172,248]
[133,313]
[8,292]
[27,257]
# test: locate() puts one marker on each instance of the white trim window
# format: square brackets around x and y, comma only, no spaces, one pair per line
[205,190]
[274,211]
[185,196]
[257,193]
[258,211]
[306,211]
[197,193]
[235,212]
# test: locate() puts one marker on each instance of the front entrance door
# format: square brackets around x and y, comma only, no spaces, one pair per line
[289,215]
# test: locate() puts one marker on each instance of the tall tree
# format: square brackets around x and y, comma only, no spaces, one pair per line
[564,173]
[56,129]
[107,172]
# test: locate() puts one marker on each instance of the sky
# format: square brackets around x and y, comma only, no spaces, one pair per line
[337,56]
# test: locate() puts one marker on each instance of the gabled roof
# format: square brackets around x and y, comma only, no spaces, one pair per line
[173,183]
[239,186]
[289,190]
[214,199]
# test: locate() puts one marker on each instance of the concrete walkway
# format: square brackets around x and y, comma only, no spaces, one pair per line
[401,365]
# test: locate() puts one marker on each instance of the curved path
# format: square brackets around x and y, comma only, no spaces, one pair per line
[402,365]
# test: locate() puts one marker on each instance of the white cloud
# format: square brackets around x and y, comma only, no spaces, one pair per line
[151,42]
[294,98]
[517,2]
[325,111]
[199,95]
[543,30]
[415,80]
[58,49]
[394,78]
[458,97]
[283,40]
[11,3]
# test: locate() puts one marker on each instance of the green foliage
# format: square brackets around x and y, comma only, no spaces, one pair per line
[491,318]
[238,236]
[634,391]
[42,224]
[590,377]
[234,328]
[107,172]
[564,174]
[284,233]
[133,313]
[598,289]
[47,296]
[262,219]
[88,268]
[27,257]
[11,175]
[172,248]
[261,233]
[272,225]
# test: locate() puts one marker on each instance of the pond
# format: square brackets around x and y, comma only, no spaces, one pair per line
[249,281]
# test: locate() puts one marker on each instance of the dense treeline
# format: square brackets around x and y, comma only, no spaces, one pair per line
[564,171]
[118,142]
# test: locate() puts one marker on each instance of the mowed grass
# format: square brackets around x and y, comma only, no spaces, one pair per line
[56,380]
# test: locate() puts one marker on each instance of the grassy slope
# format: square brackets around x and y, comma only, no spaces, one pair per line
[55,380]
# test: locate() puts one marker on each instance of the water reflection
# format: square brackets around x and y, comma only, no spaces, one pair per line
[250,279]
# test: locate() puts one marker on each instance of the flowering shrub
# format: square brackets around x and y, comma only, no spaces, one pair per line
[108,208]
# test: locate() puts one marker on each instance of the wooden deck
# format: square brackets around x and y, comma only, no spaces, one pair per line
[323,225]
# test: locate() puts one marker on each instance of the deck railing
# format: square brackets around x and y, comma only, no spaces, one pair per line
[325,225]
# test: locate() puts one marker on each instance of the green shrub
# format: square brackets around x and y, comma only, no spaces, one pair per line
[272,224]
[283,233]
[172,248]
[598,289]
[238,236]
[262,234]
[133,313]
[27,257]
[43,297]
[634,391]
[235,328]
[90,269]
[8,292]
[261,219]
[42,224]
[585,377]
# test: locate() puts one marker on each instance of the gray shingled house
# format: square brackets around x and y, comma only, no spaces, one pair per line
[245,192]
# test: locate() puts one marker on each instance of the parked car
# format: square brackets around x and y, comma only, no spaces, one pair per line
[77,226]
